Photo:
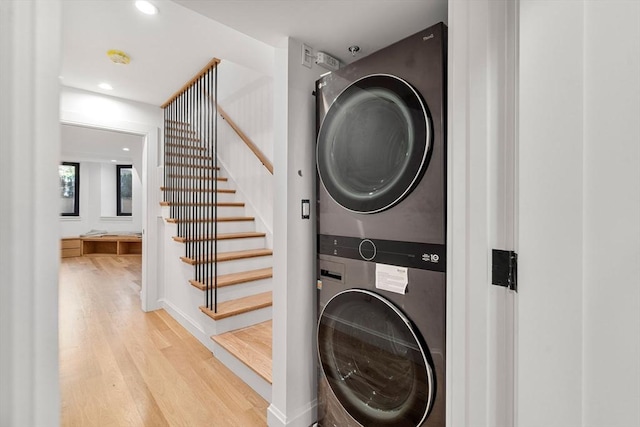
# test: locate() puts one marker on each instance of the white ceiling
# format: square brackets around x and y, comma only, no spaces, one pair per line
[167,49]
[326,25]
[84,144]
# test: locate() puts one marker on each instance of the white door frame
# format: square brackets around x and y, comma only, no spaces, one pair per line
[149,292]
[481,204]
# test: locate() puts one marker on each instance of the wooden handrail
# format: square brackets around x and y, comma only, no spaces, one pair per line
[212,64]
[263,159]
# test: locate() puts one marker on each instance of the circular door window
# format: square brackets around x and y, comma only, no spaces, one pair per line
[373,143]
[374,361]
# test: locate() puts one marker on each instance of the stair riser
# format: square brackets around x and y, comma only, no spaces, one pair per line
[205,180]
[241,265]
[241,290]
[223,227]
[234,226]
[199,187]
[253,380]
[200,228]
[199,197]
[233,245]
[241,320]
[189,147]
[208,212]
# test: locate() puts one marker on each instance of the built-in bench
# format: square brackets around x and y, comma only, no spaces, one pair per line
[101,245]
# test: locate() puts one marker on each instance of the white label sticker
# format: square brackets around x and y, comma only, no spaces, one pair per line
[392,278]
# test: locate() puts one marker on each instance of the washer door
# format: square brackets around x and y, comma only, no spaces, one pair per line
[374,361]
[373,144]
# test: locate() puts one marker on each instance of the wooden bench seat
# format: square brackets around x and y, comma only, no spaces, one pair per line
[101,245]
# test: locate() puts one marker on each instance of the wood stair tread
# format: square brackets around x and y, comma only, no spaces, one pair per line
[219,204]
[222,236]
[186,146]
[187,155]
[199,190]
[219,219]
[236,278]
[177,122]
[181,137]
[192,166]
[239,306]
[229,256]
[252,346]
[206,178]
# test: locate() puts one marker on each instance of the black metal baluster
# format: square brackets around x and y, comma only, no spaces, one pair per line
[215,165]
[179,194]
[210,195]
[201,196]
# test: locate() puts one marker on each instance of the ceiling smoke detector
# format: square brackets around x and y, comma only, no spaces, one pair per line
[118,57]
[354,49]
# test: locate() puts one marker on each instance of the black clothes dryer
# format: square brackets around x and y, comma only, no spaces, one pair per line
[381,161]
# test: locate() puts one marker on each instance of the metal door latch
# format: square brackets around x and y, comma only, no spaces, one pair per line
[504,269]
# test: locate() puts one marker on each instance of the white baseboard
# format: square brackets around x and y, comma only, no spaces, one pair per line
[188,323]
[305,418]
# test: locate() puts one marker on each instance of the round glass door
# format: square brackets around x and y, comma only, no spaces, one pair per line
[374,361]
[373,143]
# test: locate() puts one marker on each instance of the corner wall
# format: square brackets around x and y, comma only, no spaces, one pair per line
[294,294]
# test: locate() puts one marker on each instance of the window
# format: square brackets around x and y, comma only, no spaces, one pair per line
[124,190]
[69,188]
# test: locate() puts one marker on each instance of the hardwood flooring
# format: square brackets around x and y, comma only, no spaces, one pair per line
[120,366]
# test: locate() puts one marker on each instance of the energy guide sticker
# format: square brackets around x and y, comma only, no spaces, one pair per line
[392,278]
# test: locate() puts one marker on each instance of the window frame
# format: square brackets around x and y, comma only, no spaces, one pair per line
[118,198]
[76,195]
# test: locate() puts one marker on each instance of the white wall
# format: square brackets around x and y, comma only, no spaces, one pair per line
[29,245]
[108,192]
[98,202]
[294,373]
[247,98]
[105,111]
[579,231]
[611,214]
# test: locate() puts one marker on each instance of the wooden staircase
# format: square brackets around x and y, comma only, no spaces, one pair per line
[239,322]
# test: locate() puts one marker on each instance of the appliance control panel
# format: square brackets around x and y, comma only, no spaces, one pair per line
[426,256]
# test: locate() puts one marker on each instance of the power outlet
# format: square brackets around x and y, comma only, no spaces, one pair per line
[307,54]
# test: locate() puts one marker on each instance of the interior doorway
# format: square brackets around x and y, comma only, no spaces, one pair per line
[144,157]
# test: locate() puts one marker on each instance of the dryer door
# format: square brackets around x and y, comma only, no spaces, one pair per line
[374,360]
[373,144]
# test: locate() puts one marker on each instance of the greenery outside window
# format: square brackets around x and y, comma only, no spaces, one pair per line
[69,174]
[124,190]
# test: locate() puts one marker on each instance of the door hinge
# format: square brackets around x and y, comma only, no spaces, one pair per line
[504,269]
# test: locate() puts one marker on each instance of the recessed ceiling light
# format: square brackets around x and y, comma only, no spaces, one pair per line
[105,86]
[114,161]
[146,7]
[125,149]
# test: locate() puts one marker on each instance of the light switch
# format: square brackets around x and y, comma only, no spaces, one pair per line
[306,207]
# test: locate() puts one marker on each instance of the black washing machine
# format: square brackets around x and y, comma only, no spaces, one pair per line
[381,160]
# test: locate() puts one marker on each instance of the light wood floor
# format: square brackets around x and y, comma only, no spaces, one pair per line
[120,366]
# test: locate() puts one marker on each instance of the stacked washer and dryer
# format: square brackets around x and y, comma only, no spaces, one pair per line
[381,160]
